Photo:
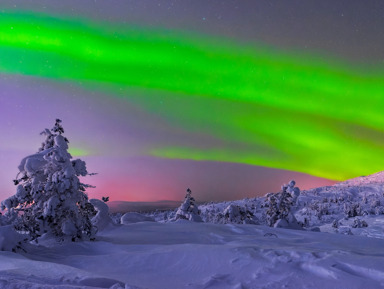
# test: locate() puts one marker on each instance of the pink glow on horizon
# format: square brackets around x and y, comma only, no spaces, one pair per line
[153,179]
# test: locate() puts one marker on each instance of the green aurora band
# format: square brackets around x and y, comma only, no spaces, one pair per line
[261,106]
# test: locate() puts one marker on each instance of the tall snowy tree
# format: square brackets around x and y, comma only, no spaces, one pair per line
[188,210]
[50,199]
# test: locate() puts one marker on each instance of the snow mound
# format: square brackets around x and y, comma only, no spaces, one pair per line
[130,218]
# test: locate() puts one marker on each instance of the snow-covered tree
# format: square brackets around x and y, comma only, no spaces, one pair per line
[281,206]
[50,199]
[188,210]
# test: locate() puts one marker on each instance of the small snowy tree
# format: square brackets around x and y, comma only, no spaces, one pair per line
[50,199]
[188,210]
[281,206]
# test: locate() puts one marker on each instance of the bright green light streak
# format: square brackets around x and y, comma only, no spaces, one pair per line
[283,110]
[77,152]
[269,137]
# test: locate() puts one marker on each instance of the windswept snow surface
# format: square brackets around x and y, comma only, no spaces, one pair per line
[185,254]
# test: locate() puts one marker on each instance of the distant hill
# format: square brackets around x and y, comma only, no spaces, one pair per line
[377,178]
[123,206]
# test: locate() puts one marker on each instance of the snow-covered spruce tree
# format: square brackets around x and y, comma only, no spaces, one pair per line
[281,206]
[50,199]
[188,210]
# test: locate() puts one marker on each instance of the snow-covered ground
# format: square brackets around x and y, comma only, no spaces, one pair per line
[196,255]
[339,245]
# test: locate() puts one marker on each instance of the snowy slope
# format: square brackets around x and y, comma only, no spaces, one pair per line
[374,179]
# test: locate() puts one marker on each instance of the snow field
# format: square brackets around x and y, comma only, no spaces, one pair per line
[197,255]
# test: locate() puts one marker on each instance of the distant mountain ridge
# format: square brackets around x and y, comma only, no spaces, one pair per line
[125,206]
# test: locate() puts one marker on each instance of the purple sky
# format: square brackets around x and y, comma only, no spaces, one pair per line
[116,133]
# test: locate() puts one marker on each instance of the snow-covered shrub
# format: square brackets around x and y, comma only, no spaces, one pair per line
[211,214]
[352,210]
[238,215]
[50,199]
[335,224]
[102,218]
[281,206]
[375,207]
[319,209]
[357,223]
[188,210]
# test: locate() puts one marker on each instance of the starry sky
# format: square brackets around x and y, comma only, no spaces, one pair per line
[229,98]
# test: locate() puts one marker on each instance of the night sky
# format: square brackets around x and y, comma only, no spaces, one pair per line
[229,98]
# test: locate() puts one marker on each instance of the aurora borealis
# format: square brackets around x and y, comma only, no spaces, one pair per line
[145,100]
